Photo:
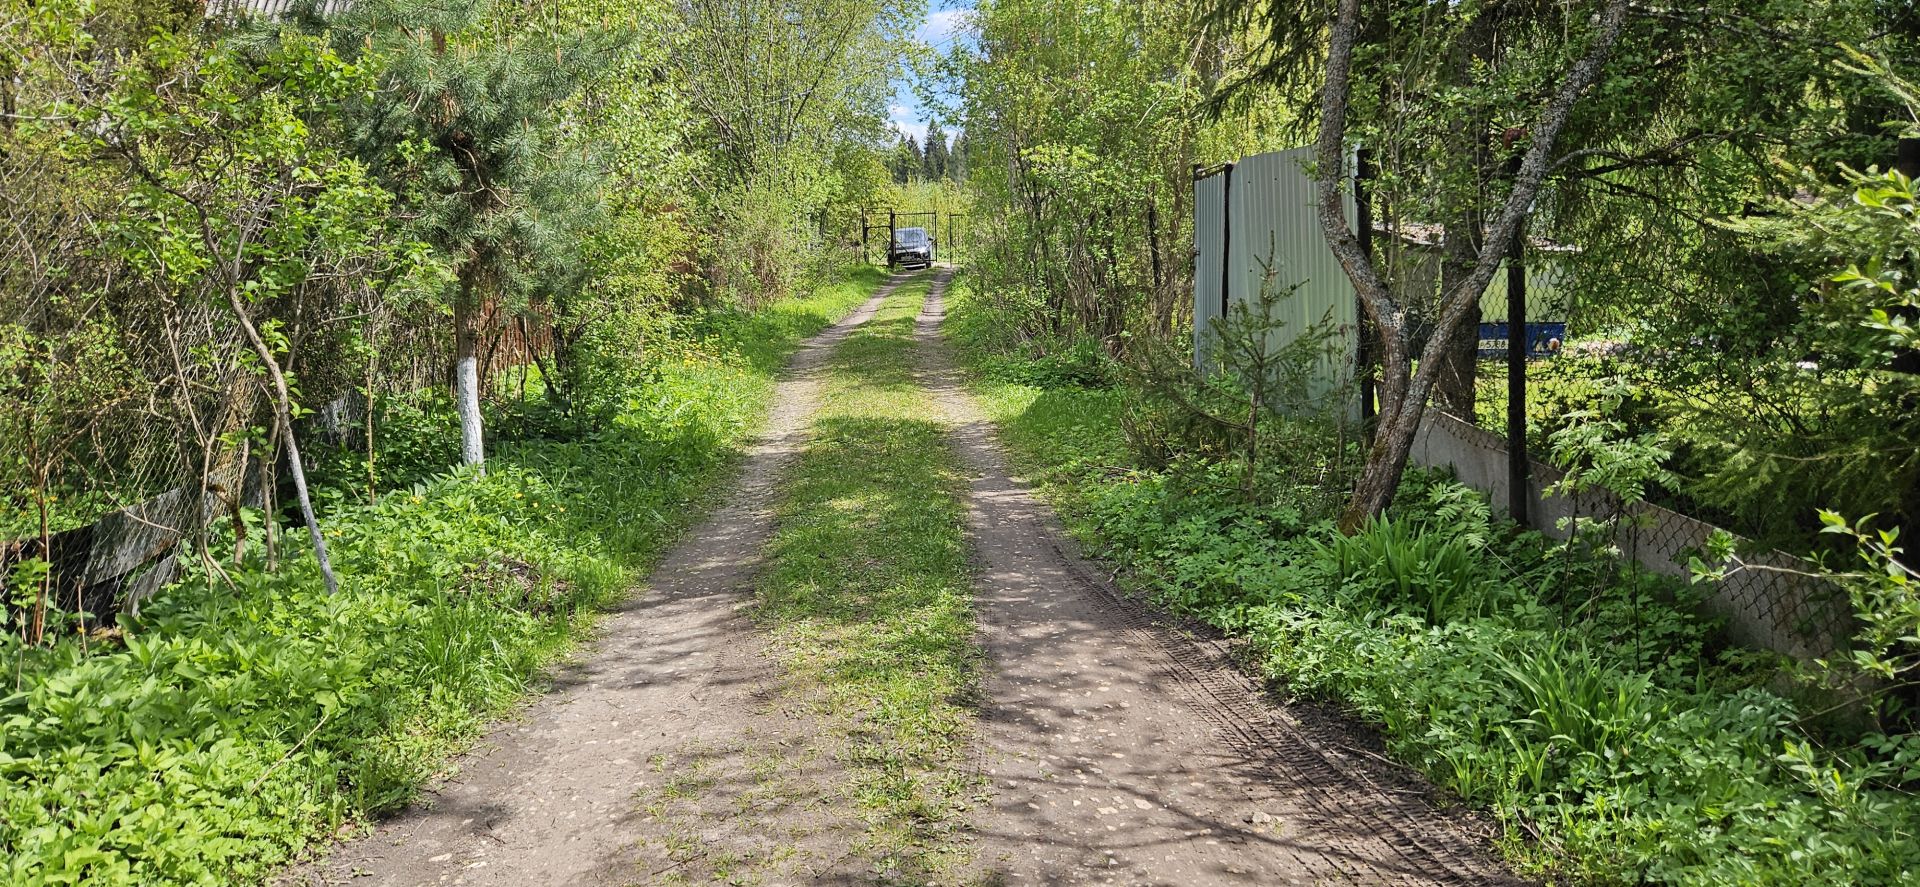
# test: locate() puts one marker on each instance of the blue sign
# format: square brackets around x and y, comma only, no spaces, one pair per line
[1543,339]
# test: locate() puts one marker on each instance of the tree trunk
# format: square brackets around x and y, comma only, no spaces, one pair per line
[1465,231]
[1162,307]
[1460,365]
[466,370]
[1393,437]
[1404,392]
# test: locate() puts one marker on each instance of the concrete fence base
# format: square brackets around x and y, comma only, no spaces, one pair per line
[1766,608]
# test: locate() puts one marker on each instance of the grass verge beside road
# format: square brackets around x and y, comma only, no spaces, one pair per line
[868,599]
[1593,713]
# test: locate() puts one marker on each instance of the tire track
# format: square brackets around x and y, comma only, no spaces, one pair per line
[551,797]
[1126,747]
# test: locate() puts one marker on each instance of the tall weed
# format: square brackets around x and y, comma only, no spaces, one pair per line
[1392,564]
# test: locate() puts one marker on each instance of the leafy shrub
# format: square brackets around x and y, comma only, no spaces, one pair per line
[1082,363]
[1393,564]
[1560,389]
[1001,352]
[244,710]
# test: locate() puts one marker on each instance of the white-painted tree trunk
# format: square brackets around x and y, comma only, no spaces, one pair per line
[466,388]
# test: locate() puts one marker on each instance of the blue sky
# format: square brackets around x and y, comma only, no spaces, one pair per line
[943,26]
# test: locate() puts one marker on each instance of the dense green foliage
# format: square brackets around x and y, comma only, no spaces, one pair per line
[168,190]
[789,134]
[1083,123]
[245,713]
[380,191]
[230,231]
[1694,204]
[601,224]
[1590,709]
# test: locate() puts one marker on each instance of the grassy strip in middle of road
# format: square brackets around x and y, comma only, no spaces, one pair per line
[868,599]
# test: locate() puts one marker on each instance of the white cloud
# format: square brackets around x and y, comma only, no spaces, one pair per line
[939,31]
[901,119]
[943,26]
[905,125]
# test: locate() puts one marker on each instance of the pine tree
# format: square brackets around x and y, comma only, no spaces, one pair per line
[897,161]
[934,165]
[957,158]
[907,161]
[475,91]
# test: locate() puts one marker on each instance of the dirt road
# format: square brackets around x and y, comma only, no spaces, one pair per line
[551,798]
[1124,750]
[1119,747]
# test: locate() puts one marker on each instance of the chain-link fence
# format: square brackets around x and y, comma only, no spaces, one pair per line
[135,441]
[161,277]
[1774,603]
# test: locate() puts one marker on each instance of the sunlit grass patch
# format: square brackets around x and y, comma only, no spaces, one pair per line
[868,598]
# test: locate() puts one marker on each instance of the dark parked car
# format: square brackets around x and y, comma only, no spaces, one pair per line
[911,247]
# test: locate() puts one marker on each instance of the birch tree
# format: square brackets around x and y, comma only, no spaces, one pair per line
[773,86]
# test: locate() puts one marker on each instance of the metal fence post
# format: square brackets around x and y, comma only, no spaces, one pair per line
[1518,469]
[1226,240]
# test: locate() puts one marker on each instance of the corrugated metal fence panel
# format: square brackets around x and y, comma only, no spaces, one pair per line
[1209,220]
[1276,230]
[275,8]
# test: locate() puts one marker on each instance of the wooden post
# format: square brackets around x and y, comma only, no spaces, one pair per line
[892,217]
[1226,240]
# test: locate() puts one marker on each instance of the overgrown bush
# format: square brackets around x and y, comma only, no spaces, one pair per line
[1007,353]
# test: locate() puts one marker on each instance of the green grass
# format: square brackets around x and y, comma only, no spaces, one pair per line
[247,714]
[760,341]
[868,601]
